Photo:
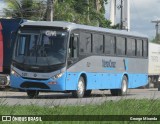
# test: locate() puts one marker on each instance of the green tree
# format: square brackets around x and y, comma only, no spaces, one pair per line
[156,39]
[28,9]
[90,12]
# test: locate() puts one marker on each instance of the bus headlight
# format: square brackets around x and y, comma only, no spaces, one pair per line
[13,72]
[57,76]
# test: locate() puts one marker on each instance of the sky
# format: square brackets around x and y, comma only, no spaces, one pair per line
[142,13]
[2,5]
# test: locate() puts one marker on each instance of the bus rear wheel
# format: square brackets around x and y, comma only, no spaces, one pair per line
[123,90]
[79,93]
[32,94]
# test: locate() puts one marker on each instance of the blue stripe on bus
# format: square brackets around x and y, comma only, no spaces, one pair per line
[94,81]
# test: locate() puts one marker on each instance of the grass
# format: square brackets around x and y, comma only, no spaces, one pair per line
[122,107]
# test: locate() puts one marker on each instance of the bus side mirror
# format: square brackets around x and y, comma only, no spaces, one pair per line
[75,40]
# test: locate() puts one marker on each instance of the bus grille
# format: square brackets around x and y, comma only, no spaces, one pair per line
[34,85]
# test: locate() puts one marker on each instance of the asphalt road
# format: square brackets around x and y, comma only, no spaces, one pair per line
[62,99]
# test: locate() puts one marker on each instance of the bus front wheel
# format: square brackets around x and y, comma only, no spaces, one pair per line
[79,93]
[123,90]
[32,93]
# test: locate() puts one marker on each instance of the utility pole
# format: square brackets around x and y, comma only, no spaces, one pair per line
[121,22]
[50,10]
[124,7]
[113,12]
[126,15]
[88,18]
[157,29]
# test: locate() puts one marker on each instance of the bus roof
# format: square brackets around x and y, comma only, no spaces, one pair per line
[72,26]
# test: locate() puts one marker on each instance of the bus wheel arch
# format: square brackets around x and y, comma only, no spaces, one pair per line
[87,92]
[124,87]
[81,88]
[85,78]
[79,92]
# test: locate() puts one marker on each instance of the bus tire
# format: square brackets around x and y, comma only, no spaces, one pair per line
[87,93]
[32,94]
[79,93]
[123,90]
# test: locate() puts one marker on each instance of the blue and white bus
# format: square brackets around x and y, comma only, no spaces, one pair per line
[67,57]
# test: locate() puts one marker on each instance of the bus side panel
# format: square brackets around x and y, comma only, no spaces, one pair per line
[113,81]
[107,72]
[137,72]
[137,80]
[72,80]
[94,81]
[1,49]
[100,81]
[105,80]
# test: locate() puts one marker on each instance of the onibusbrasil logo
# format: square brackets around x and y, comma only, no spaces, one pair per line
[21,118]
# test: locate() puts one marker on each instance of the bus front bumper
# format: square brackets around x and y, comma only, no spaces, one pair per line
[50,84]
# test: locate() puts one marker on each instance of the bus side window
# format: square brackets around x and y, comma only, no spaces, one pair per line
[110,45]
[145,48]
[131,50]
[85,43]
[97,44]
[139,48]
[73,47]
[120,46]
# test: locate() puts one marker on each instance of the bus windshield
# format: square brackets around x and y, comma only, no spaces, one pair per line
[41,48]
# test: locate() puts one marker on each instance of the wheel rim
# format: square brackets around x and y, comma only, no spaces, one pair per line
[124,86]
[80,87]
